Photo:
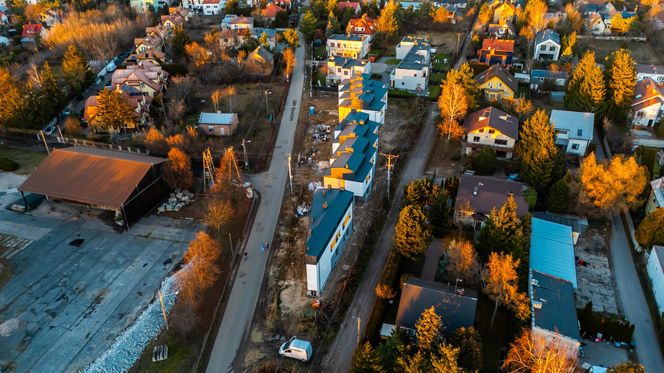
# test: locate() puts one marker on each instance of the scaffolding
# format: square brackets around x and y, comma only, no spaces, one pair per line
[208,170]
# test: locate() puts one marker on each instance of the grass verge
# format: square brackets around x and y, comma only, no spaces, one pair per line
[26,159]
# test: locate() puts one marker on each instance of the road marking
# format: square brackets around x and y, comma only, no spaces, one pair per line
[13,244]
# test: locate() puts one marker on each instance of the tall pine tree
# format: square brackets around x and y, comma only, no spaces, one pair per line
[387,21]
[411,237]
[503,231]
[332,25]
[113,112]
[586,89]
[621,80]
[537,151]
[75,70]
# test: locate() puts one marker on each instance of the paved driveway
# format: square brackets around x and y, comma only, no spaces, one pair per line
[64,304]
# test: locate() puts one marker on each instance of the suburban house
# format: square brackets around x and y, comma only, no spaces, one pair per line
[4,20]
[217,124]
[552,250]
[172,21]
[595,24]
[647,108]
[213,7]
[504,12]
[146,77]
[139,103]
[412,72]
[270,12]
[547,80]
[259,62]
[455,305]
[270,33]
[361,26]
[32,31]
[574,130]
[148,42]
[491,128]
[497,83]
[407,43]
[654,72]
[233,22]
[656,198]
[361,93]
[153,56]
[232,38]
[353,161]
[495,51]
[50,17]
[349,46]
[157,30]
[329,229]
[340,68]
[553,312]
[478,195]
[343,5]
[502,30]
[547,46]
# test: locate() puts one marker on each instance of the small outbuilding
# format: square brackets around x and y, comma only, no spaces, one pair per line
[218,124]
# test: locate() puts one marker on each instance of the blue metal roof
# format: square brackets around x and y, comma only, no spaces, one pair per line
[552,250]
[545,35]
[327,209]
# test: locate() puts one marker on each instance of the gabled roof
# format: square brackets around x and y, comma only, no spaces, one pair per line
[483,193]
[327,210]
[647,93]
[349,4]
[263,54]
[547,35]
[494,118]
[216,118]
[30,30]
[501,73]
[242,20]
[498,44]
[649,69]
[456,309]
[146,72]
[271,10]
[552,305]
[573,121]
[90,175]
[552,249]
[259,31]
[365,22]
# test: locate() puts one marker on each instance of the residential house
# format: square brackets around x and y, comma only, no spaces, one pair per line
[355,124]
[496,51]
[146,77]
[159,31]
[362,26]
[270,12]
[574,130]
[553,313]
[259,62]
[232,39]
[656,198]
[450,15]
[233,22]
[217,124]
[454,304]
[343,5]
[497,83]
[502,30]
[329,229]
[153,56]
[270,33]
[658,21]
[491,128]
[409,42]
[552,250]
[654,72]
[595,24]
[412,72]
[647,108]
[504,12]
[547,80]
[363,94]
[415,4]
[340,68]
[4,20]
[353,165]
[141,6]
[655,268]
[183,13]
[547,46]
[150,42]
[478,195]
[578,224]
[212,7]
[172,21]
[4,41]
[139,103]
[350,46]
[32,31]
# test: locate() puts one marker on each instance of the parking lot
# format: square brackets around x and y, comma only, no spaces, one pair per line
[77,283]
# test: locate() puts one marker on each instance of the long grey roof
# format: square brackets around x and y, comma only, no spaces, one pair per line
[552,302]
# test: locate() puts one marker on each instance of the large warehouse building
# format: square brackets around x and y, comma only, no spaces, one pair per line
[100,178]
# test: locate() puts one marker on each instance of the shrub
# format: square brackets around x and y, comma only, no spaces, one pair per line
[485,162]
[8,165]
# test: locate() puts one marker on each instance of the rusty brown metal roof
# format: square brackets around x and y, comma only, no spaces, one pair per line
[100,177]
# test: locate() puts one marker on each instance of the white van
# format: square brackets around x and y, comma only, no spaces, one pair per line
[296,349]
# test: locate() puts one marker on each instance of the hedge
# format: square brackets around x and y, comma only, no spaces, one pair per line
[611,329]
[8,165]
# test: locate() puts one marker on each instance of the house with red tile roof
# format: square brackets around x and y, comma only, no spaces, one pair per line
[364,25]
[31,31]
[343,5]
[270,11]
[648,103]
[496,51]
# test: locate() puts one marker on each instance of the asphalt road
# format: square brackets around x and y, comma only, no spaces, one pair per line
[631,295]
[339,356]
[236,323]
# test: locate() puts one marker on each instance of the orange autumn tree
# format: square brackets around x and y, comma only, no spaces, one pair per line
[534,353]
[177,173]
[501,285]
[201,269]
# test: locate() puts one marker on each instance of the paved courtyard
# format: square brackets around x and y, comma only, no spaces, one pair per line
[65,304]
[595,279]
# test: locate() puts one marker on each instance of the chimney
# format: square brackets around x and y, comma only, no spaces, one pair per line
[324,205]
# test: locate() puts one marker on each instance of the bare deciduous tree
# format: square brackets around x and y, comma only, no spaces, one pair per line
[534,353]
[219,213]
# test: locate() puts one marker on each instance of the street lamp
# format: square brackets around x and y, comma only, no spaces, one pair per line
[244,150]
[267,109]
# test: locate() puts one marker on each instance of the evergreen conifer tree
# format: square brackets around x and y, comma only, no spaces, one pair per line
[537,151]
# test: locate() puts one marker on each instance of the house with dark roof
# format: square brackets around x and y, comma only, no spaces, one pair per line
[547,45]
[502,30]
[361,93]
[129,184]
[341,68]
[495,51]
[574,130]
[356,7]
[654,72]
[553,313]
[330,227]
[148,78]
[412,72]
[260,62]
[349,46]
[492,128]
[478,195]
[656,198]
[456,306]
[497,83]
[647,108]
[552,250]
[547,80]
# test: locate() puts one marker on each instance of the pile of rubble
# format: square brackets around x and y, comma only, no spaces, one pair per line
[177,200]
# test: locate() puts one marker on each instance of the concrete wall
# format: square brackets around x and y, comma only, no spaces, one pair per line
[410,79]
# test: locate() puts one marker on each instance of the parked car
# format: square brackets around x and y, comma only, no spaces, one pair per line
[297,349]
[111,67]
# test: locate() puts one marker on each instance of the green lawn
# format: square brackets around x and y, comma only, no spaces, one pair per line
[320,53]
[393,61]
[27,160]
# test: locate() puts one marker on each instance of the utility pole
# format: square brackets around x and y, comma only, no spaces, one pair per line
[290,174]
[390,164]
[45,143]
[458,38]
[163,309]
[359,324]
[311,78]
[244,149]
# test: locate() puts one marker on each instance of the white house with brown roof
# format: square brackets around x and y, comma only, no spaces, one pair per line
[146,77]
[492,128]
[647,108]
[654,72]
[361,26]
[212,7]
[233,22]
